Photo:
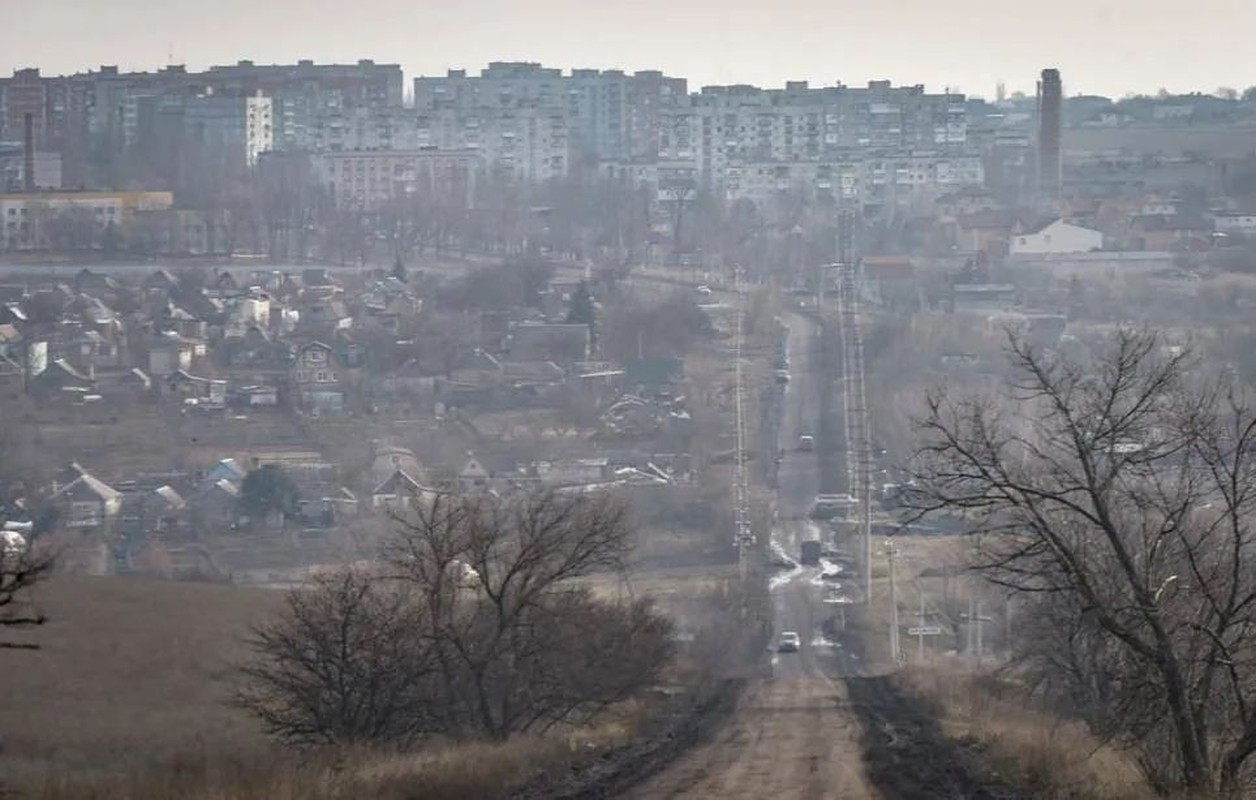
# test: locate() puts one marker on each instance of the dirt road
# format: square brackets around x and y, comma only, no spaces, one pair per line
[789,738]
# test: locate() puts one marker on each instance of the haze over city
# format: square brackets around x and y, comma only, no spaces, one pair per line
[562,400]
[1110,47]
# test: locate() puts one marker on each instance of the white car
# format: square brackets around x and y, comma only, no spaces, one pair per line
[704,289]
[789,642]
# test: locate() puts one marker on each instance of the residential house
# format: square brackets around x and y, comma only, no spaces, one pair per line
[227,469]
[982,298]
[1056,237]
[319,382]
[1175,232]
[85,502]
[163,509]
[252,396]
[204,391]
[390,458]
[474,474]
[544,341]
[572,472]
[256,349]
[170,353]
[889,281]
[399,490]
[1235,223]
[214,503]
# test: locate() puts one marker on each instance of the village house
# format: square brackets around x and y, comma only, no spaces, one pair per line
[399,491]
[318,380]
[1172,232]
[545,341]
[1056,237]
[84,501]
[387,459]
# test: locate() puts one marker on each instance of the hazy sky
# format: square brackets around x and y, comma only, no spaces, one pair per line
[1101,46]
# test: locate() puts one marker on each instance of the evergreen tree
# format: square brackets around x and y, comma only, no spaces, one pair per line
[582,311]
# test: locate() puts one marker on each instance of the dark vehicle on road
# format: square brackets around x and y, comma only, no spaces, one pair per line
[810,553]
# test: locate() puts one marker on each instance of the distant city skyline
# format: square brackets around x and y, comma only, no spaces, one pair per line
[1109,47]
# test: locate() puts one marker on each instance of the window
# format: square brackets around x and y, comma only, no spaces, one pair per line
[322,377]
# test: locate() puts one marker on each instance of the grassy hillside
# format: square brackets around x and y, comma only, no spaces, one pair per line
[129,673]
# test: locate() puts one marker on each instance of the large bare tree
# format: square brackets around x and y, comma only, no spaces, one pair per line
[474,625]
[1116,494]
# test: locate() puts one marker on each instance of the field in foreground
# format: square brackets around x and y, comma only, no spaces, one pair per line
[124,699]
[130,673]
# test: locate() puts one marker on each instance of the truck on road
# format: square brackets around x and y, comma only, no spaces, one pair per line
[810,555]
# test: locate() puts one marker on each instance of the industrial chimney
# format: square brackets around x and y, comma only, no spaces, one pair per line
[1050,136]
[28,165]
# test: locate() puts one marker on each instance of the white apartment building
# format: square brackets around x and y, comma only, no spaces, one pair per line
[610,114]
[259,127]
[524,142]
[368,178]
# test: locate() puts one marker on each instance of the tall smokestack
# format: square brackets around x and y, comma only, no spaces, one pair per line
[1050,136]
[28,166]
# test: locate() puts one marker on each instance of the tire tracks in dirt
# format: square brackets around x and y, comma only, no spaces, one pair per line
[789,739]
[906,754]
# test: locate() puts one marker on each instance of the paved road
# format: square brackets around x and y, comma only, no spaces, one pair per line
[793,734]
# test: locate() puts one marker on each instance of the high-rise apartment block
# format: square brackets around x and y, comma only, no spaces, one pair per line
[516,120]
[610,114]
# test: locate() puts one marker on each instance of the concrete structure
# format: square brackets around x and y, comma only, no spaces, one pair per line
[259,131]
[368,178]
[1050,137]
[1235,223]
[32,221]
[610,114]
[1055,238]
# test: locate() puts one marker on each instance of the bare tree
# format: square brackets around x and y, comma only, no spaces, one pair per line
[476,626]
[340,665]
[528,649]
[1118,501]
[21,567]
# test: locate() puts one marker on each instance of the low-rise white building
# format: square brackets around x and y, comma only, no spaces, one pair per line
[1057,237]
[1240,223]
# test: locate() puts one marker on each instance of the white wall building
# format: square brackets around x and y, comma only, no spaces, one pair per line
[259,127]
[1235,223]
[1057,237]
[368,178]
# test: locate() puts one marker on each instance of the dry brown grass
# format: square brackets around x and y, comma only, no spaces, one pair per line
[129,673]
[1043,756]
[125,700]
[476,770]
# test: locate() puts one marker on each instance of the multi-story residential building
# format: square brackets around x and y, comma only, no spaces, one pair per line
[304,91]
[367,178]
[610,114]
[522,142]
[240,126]
[58,108]
[32,221]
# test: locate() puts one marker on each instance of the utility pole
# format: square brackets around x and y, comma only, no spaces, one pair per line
[920,637]
[895,653]
[744,536]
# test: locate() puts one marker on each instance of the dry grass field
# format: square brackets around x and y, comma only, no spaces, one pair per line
[123,700]
[129,674]
[1044,756]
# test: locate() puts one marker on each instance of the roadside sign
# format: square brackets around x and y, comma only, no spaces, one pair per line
[925,630]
